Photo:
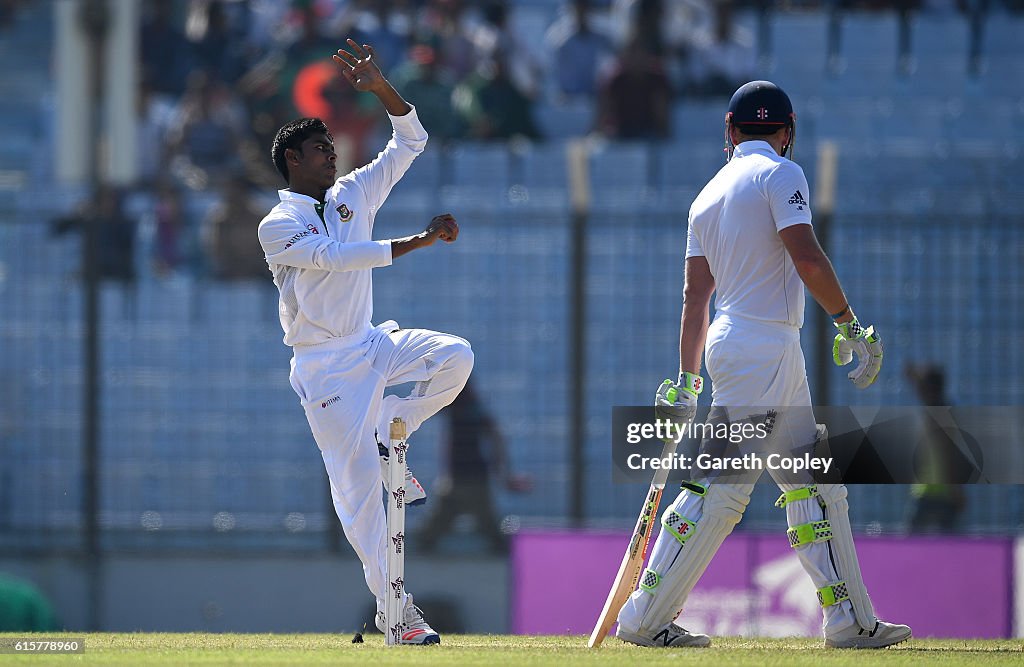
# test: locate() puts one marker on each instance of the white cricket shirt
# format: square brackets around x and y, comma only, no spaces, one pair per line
[322,256]
[735,223]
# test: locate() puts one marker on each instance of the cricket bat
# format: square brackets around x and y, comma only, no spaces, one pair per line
[629,571]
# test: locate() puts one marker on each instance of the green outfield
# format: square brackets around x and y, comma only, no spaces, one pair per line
[232,649]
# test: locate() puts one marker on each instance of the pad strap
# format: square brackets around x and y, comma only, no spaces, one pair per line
[680,527]
[804,493]
[650,580]
[832,594]
[694,487]
[809,533]
[680,565]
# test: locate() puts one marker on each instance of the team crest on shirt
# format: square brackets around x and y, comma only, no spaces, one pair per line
[345,212]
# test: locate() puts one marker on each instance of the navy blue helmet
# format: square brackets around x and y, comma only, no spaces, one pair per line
[760,108]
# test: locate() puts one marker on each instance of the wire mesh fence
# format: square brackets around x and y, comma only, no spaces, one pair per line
[204,445]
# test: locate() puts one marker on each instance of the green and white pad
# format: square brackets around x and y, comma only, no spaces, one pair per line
[692,529]
[819,531]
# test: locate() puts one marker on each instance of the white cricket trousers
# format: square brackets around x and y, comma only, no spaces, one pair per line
[760,364]
[753,366]
[341,385]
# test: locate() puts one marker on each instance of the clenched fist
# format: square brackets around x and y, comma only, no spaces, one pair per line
[442,227]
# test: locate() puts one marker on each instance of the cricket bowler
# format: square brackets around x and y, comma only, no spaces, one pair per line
[318,243]
[750,241]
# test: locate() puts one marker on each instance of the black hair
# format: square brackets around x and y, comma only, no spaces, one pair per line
[291,135]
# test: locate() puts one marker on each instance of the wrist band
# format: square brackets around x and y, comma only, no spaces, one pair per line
[841,312]
[691,382]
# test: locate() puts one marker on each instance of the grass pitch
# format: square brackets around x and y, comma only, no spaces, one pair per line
[232,649]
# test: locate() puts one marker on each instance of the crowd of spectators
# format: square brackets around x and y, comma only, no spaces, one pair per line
[218,77]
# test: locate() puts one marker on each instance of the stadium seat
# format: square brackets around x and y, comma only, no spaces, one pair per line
[912,118]
[404,200]
[425,172]
[572,118]
[539,176]
[870,40]
[1002,77]
[619,175]
[935,76]
[1002,35]
[863,78]
[936,35]
[541,164]
[798,36]
[616,165]
[17,148]
[688,165]
[478,164]
[243,301]
[799,46]
[852,120]
[984,120]
[700,120]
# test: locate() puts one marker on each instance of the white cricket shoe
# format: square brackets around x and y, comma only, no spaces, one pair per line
[671,635]
[417,630]
[415,494]
[882,635]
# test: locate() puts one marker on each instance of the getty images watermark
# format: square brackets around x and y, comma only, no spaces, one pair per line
[851,445]
[752,432]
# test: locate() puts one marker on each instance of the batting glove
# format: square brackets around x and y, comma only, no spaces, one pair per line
[677,401]
[865,343]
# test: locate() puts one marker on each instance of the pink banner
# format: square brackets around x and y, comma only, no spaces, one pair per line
[940,586]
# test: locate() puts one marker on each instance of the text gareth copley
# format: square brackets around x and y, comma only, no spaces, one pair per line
[735,463]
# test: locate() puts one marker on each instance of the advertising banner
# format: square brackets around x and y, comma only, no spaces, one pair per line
[940,586]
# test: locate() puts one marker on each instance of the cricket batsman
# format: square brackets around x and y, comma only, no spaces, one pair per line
[318,243]
[750,241]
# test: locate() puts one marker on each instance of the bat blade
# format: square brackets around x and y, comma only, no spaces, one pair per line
[629,570]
